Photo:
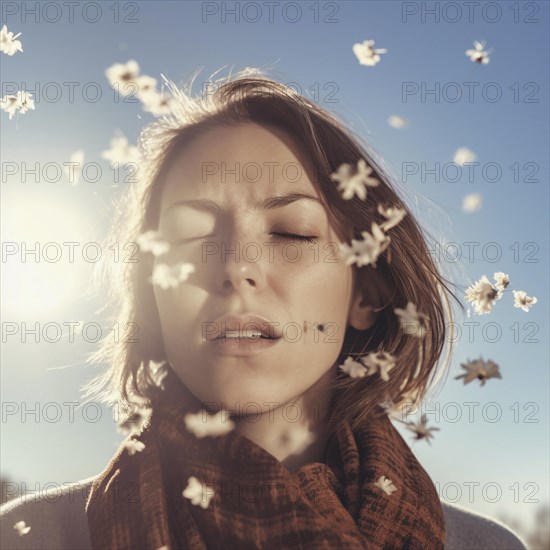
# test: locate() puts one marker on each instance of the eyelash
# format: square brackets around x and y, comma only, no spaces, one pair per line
[284,236]
[294,237]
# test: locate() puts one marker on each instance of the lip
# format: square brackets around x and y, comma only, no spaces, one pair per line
[241,322]
[225,345]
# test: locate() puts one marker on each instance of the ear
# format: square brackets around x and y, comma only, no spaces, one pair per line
[362,315]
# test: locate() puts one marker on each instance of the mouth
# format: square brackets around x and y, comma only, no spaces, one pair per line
[245,335]
[245,327]
[241,335]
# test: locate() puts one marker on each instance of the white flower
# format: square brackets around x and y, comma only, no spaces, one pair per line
[167,276]
[158,104]
[133,446]
[71,171]
[463,155]
[393,216]
[196,492]
[502,280]
[121,151]
[8,43]
[354,183]
[121,74]
[365,252]
[522,300]
[472,202]
[146,85]
[10,104]
[21,527]
[367,54]
[151,241]
[379,361]
[480,369]
[136,422]
[385,485]
[411,317]
[204,424]
[421,430]
[395,121]
[21,102]
[483,295]
[388,406]
[26,101]
[353,368]
[159,371]
[478,54]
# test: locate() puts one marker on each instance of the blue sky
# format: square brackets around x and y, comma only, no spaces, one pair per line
[176,39]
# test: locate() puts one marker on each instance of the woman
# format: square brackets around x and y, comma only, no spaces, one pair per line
[268,350]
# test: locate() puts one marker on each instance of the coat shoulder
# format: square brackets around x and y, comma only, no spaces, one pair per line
[467,529]
[56,517]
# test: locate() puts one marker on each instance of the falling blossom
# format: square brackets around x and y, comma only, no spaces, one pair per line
[151,241]
[398,122]
[480,369]
[478,54]
[353,368]
[385,485]
[167,276]
[367,54]
[10,104]
[421,430]
[354,183]
[146,85]
[381,362]
[464,155]
[136,422]
[73,168]
[411,317]
[197,493]
[522,300]
[21,102]
[502,280]
[483,295]
[133,446]
[365,252]
[21,527]
[122,74]
[159,371]
[388,406]
[157,103]
[8,43]
[393,216]
[202,424]
[472,202]
[121,151]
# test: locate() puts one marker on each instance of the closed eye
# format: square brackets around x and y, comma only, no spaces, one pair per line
[294,237]
[284,236]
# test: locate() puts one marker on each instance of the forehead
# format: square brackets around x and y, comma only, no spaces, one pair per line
[227,162]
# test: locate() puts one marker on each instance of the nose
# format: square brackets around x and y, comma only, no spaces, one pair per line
[241,267]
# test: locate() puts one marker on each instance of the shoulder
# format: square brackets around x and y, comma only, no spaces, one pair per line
[467,529]
[57,519]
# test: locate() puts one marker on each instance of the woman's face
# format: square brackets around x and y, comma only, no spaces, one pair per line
[228,200]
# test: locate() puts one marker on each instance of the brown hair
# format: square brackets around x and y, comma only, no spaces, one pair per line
[404,273]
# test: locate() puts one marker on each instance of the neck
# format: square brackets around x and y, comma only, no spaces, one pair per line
[295,433]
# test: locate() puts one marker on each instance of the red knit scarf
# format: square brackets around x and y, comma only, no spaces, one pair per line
[137,503]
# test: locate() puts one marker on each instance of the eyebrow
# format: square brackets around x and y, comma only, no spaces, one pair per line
[268,203]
